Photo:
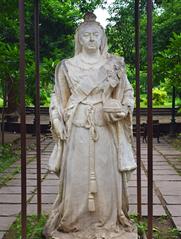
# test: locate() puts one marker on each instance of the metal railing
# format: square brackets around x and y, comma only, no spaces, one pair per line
[22,119]
[37,113]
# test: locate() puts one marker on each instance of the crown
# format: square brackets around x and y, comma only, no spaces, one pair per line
[89,17]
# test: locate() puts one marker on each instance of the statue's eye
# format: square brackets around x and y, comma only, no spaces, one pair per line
[96,34]
[86,34]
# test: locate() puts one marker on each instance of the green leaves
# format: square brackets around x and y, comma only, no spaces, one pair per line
[34,227]
[168,63]
[159,96]
[166,41]
[8,155]
[58,21]
[120,31]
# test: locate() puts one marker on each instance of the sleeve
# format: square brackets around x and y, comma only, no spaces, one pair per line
[60,95]
[128,93]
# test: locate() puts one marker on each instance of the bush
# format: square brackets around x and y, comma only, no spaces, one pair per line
[8,155]
[1,102]
[34,227]
[159,96]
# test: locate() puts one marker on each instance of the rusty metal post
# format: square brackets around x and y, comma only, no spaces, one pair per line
[37,105]
[172,130]
[138,135]
[3,113]
[149,117]
[23,118]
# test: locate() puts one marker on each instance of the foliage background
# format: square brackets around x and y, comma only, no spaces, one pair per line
[58,21]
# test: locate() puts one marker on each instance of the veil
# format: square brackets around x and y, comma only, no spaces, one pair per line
[89,19]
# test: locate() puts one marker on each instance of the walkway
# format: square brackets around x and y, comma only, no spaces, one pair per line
[167,185]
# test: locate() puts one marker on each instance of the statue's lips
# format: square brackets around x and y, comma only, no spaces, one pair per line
[91,45]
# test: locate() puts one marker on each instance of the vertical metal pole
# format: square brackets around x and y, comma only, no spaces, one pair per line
[2,125]
[3,111]
[173,105]
[149,118]
[138,135]
[23,118]
[37,106]
[172,132]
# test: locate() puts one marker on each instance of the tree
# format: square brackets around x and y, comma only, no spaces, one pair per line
[120,30]
[168,64]
[166,20]
[58,20]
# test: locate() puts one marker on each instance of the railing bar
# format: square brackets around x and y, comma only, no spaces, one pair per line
[37,105]
[22,119]
[149,118]
[138,134]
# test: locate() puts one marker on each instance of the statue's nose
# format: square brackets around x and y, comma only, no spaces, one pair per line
[91,37]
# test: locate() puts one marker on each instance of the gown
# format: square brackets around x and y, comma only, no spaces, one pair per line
[92,201]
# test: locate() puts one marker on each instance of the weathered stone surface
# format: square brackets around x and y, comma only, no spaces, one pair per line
[32,209]
[134,177]
[167,178]
[17,182]
[5,223]
[169,187]
[175,210]
[165,172]
[29,176]
[2,234]
[174,200]
[124,235]
[133,183]
[162,167]
[171,153]
[34,166]
[49,189]
[133,199]
[14,190]
[50,182]
[157,210]
[52,176]
[133,190]
[170,190]
[177,222]
[161,163]
[46,199]
[9,198]
[90,160]
[33,170]
[9,210]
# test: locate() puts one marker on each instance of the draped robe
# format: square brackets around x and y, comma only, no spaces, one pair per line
[96,157]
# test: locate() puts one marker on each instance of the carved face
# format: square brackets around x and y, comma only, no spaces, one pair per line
[90,37]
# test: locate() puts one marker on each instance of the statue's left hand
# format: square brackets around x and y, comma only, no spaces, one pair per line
[114,110]
[117,116]
[113,117]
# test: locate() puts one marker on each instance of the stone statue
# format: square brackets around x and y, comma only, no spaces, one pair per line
[91,116]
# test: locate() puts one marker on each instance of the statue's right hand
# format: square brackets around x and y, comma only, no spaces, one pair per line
[59,129]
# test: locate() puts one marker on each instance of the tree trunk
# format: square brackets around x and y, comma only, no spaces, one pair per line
[12,100]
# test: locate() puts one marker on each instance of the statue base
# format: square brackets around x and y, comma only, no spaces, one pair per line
[123,235]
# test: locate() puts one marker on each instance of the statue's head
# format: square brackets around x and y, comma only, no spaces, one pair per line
[90,35]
